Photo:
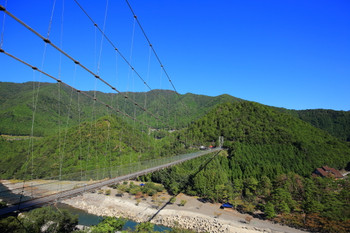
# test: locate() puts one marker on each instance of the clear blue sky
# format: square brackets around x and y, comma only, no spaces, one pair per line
[291,53]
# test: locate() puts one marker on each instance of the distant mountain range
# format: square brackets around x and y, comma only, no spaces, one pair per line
[58,107]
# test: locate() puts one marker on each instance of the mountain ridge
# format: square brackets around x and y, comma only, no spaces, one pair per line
[176,111]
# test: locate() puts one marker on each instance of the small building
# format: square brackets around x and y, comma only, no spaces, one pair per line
[326,171]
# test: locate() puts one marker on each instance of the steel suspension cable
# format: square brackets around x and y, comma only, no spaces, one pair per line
[101,43]
[156,55]
[3,27]
[90,134]
[117,50]
[112,44]
[133,80]
[150,44]
[59,130]
[61,153]
[108,146]
[80,138]
[98,72]
[50,23]
[35,103]
[47,41]
[82,92]
[67,120]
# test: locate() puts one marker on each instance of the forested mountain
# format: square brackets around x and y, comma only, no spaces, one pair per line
[270,152]
[97,145]
[336,123]
[268,164]
[264,141]
[59,107]
[250,129]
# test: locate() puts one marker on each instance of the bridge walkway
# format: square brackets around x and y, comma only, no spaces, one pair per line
[63,194]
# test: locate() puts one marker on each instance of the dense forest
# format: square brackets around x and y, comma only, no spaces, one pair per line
[311,203]
[336,123]
[98,145]
[56,103]
[266,166]
[258,137]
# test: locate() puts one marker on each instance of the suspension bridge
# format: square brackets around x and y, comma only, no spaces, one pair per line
[34,194]
[27,194]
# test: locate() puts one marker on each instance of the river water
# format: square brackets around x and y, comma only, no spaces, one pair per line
[87,219]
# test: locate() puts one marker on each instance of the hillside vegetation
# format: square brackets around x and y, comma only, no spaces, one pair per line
[264,136]
[337,123]
[56,104]
[59,106]
[268,165]
[98,145]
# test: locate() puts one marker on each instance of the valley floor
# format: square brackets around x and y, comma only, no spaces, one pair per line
[195,215]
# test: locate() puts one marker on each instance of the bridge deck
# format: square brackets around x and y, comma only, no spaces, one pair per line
[87,187]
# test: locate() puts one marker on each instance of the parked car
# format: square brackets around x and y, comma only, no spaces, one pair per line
[226,205]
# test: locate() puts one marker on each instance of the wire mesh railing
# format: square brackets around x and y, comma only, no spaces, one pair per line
[24,191]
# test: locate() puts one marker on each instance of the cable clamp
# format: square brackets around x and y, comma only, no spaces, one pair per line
[2,51]
[59,80]
[47,41]
[76,62]
[2,8]
[96,76]
[135,16]
[78,91]
[34,68]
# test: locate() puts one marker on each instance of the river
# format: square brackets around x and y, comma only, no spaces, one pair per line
[87,219]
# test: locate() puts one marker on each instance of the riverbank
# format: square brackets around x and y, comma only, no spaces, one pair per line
[195,215]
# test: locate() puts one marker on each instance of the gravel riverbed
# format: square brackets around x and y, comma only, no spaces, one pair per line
[195,215]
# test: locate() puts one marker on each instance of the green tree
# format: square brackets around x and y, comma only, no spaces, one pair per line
[172,200]
[2,204]
[144,227]
[264,186]
[44,219]
[269,210]
[282,200]
[182,203]
[11,224]
[250,186]
[109,225]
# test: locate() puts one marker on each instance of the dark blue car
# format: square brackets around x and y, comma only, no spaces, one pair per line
[226,205]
